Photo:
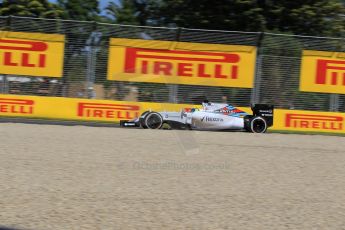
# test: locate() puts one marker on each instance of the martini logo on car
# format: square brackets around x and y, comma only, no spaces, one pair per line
[111,111]
[31,54]
[181,63]
[323,72]
[311,121]
[211,119]
[231,111]
[16,106]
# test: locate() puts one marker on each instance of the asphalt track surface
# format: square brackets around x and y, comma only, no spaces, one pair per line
[78,177]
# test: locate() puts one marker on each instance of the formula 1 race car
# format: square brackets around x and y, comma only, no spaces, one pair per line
[212,116]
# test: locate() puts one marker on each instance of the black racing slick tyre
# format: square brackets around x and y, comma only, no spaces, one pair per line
[142,119]
[257,125]
[153,120]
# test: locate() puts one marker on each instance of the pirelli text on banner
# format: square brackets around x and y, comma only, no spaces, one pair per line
[309,121]
[314,121]
[31,54]
[108,110]
[181,63]
[323,72]
[16,106]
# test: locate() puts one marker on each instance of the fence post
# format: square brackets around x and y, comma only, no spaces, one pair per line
[5,83]
[255,96]
[64,87]
[4,89]
[173,89]
[334,103]
[93,48]
[334,98]
[90,72]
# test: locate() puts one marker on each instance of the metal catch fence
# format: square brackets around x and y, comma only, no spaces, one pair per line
[278,65]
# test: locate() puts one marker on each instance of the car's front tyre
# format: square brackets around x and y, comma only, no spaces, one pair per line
[153,120]
[142,119]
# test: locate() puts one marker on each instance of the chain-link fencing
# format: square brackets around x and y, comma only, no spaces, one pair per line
[278,66]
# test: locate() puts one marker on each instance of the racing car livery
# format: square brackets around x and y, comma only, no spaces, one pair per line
[212,116]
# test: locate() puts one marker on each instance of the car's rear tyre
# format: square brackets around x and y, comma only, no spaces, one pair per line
[258,125]
[153,120]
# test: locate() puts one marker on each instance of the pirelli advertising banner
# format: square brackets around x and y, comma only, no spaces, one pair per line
[77,109]
[323,72]
[309,121]
[169,62]
[31,54]
[114,111]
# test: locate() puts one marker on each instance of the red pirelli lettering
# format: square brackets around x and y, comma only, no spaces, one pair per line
[16,53]
[162,68]
[311,121]
[335,70]
[16,106]
[182,63]
[185,69]
[16,101]
[116,111]
[7,44]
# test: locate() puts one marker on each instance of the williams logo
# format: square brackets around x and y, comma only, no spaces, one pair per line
[211,119]
[16,106]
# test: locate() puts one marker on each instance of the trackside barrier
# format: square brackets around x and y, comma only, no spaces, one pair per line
[309,121]
[114,111]
[78,109]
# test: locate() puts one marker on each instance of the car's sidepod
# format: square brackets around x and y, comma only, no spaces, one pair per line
[210,120]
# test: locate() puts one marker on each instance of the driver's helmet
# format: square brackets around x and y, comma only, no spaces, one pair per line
[206,104]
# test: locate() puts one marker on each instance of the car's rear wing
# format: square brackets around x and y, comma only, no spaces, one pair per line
[265,111]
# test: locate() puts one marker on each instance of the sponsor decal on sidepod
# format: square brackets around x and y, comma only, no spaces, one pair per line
[211,119]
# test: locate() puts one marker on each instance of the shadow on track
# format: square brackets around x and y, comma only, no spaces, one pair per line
[8,228]
[56,122]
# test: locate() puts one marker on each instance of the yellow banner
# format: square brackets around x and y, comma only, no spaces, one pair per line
[323,72]
[31,54]
[78,109]
[114,111]
[169,62]
[309,121]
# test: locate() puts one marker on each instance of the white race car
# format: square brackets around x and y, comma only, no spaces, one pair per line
[212,116]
